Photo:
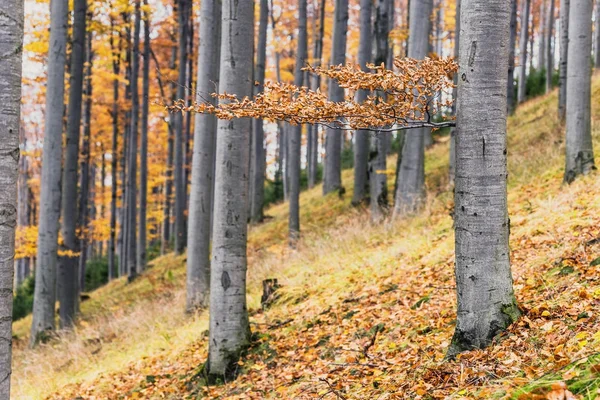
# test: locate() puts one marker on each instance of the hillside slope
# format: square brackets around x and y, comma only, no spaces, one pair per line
[365,311]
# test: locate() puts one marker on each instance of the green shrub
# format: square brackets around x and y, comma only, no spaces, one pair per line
[23,300]
[96,273]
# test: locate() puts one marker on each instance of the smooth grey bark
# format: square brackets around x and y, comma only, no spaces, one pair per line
[68,266]
[452,162]
[549,24]
[564,51]
[141,244]
[24,210]
[597,37]
[113,271]
[166,224]
[315,83]
[542,37]
[579,149]
[258,136]
[133,147]
[229,326]
[203,160]
[11,48]
[361,137]
[333,137]
[295,132]
[411,176]
[510,85]
[180,187]
[524,40]
[44,298]
[486,302]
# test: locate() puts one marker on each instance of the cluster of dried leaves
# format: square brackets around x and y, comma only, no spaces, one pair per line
[398,99]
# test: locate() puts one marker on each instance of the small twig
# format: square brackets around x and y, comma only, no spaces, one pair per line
[357,364]
[332,389]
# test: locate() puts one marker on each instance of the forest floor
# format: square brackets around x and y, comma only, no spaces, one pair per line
[364,312]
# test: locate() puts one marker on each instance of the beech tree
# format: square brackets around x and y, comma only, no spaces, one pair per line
[68,268]
[229,325]
[44,297]
[548,49]
[510,85]
[333,137]
[486,302]
[203,160]
[564,52]
[11,47]
[597,36]
[579,149]
[523,50]
[141,244]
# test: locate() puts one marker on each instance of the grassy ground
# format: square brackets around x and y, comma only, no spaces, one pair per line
[365,311]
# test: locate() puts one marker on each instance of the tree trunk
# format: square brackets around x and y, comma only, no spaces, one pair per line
[141,245]
[542,37]
[524,40]
[597,37]
[116,64]
[180,189]
[548,49]
[295,132]
[11,45]
[45,277]
[23,209]
[564,51]
[411,177]
[229,326]
[486,302]
[452,162]
[315,83]
[258,136]
[333,138]
[203,160]
[361,137]
[510,86]
[68,276]
[580,152]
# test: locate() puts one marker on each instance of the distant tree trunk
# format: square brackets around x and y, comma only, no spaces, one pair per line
[524,40]
[453,130]
[361,137]
[83,214]
[390,63]
[333,138]
[229,326]
[141,245]
[180,187]
[258,135]
[564,51]
[548,49]
[315,83]
[542,37]
[580,152]
[68,276]
[597,37]
[24,209]
[378,157]
[11,45]
[116,64]
[486,302]
[295,132]
[411,177]
[510,86]
[203,160]
[102,194]
[45,276]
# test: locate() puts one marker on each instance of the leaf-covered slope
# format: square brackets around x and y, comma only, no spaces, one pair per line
[365,311]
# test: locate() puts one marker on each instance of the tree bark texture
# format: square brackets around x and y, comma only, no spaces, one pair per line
[564,53]
[141,245]
[524,40]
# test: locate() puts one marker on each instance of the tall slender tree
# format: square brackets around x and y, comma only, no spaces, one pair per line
[333,138]
[258,136]
[510,86]
[580,152]
[452,161]
[541,55]
[410,191]
[44,298]
[203,160]
[548,50]
[229,326]
[486,303]
[11,46]
[68,276]
[180,186]
[524,39]
[562,66]
[361,137]
[141,245]
[597,36]
[295,132]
